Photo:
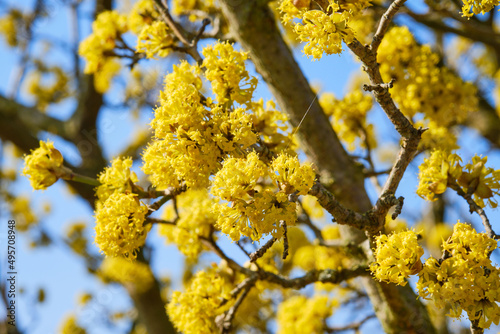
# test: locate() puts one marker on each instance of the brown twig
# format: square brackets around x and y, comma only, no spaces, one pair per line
[384,23]
[473,207]
[261,251]
[341,214]
[285,240]
[354,326]
[225,321]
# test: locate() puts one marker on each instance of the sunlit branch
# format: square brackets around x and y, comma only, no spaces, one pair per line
[384,23]
[341,214]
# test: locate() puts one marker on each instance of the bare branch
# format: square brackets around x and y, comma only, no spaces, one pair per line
[354,326]
[384,23]
[473,207]
[261,251]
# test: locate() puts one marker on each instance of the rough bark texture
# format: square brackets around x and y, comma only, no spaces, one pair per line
[252,24]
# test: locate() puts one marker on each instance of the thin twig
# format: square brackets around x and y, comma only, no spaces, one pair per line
[473,207]
[385,21]
[226,322]
[261,251]
[354,326]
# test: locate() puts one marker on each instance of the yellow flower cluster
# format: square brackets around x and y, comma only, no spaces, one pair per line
[120,229]
[183,7]
[348,118]
[291,176]
[421,85]
[70,326]
[194,310]
[483,181]
[225,69]
[442,167]
[155,39]
[436,137]
[323,30]
[143,14]
[126,272]
[300,314]
[47,92]
[76,239]
[465,280]
[44,166]
[477,6]
[397,256]
[10,26]
[21,210]
[196,219]
[97,49]
[116,178]
[310,257]
[435,171]
[254,211]
[183,148]
[193,134]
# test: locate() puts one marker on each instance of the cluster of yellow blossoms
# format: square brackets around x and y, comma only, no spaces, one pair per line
[397,256]
[120,228]
[443,167]
[194,311]
[255,209]
[323,28]
[465,279]
[300,314]
[477,6]
[44,166]
[421,85]
[196,219]
[70,326]
[120,216]
[194,134]
[106,44]
[97,49]
[126,272]
[11,26]
[48,85]
[311,257]
[348,118]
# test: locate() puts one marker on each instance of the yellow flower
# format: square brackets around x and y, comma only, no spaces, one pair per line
[225,69]
[483,181]
[70,326]
[348,118]
[435,172]
[422,86]
[397,256]
[196,219]
[10,26]
[467,266]
[127,272]
[21,210]
[291,175]
[194,310]
[43,166]
[77,240]
[477,6]
[120,229]
[116,178]
[155,39]
[300,314]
